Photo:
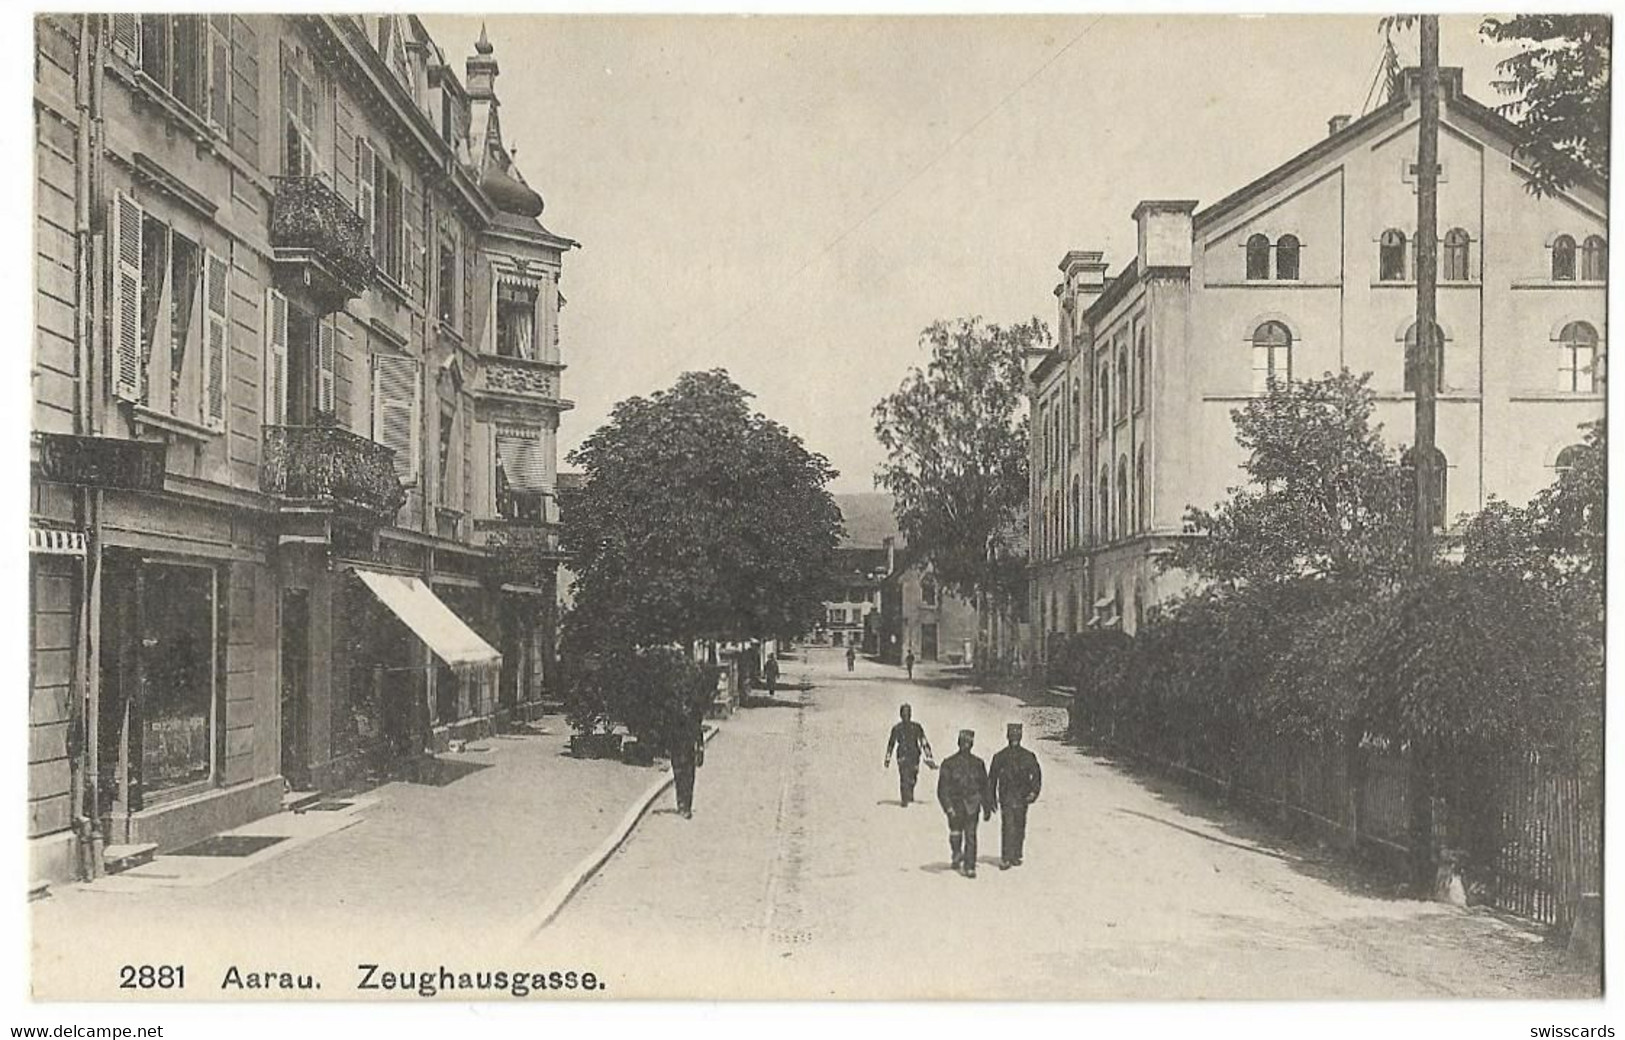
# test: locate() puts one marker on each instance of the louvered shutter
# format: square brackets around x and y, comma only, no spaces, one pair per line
[217,328]
[366,192]
[524,460]
[276,358]
[325,364]
[125,224]
[126,37]
[218,64]
[397,400]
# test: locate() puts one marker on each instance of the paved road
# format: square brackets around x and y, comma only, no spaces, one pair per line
[800,875]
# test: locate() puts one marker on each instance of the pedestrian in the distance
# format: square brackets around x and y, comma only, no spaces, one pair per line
[851,657]
[1013,782]
[908,740]
[770,672]
[687,749]
[908,662]
[962,793]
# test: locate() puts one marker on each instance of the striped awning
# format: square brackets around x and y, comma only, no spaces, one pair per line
[529,283]
[522,454]
[446,634]
[53,542]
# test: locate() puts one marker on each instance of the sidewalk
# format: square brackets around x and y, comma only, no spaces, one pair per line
[427,871]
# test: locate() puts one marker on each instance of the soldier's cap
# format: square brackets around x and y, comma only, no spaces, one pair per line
[967,734]
[1013,729]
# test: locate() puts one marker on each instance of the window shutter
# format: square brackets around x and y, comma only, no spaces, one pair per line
[125,224]
[396,396]
[216,273]
[524,460]
[217,65]
[126,37]
[366,164]
[325,354]
[276,358]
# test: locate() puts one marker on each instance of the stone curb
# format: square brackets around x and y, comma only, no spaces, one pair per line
[533,923]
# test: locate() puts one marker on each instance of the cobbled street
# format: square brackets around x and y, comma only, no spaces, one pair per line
[801,875]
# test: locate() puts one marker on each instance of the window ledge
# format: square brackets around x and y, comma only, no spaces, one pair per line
[448,329]
[1566,283]
[149,90]
[1560,396]
[1442,283]
[1274,283]
[144,416]
[390,285]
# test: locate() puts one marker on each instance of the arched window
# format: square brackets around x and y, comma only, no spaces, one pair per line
[928,590]
[1438,508]
[1286,258]
[1391,256]
[1411,359]
[1142,368]
[1142,493]
[1077,408]
[1457,256]
[1123,398]
[1103,517]
[1123,518]
[1568,458]
[1272,355]
[1563,259]
[1105,396]
[1594,259]
[1579,352]
[1258,258]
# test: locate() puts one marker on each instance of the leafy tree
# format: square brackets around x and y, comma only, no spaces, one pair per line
[698,520]
[1559,84]
[1327,499]
[955,436]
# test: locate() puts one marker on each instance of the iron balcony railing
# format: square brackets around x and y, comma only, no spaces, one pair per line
[330,466]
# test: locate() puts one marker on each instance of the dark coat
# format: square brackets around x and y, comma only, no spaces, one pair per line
[962,784]
[1014,779]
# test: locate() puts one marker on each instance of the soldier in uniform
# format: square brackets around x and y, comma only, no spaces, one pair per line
[962,793]
[1013,781]
[687,740]
[908,740]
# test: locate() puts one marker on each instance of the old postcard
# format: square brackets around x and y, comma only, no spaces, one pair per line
[1088,507]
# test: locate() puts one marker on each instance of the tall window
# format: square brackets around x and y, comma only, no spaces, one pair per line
[299,107]
[1142,493]
[1594,259]
[928,590]
[1105,396]
[1391,256]
[1438,508]
[1142,368]
[1563,259]
[172,55]
[1411,358]
[516,321]
[1286,257]
[1077,409]
[1579,354]
[1272,356]
[1258,258]
[448,429]
[1457,256]
[1103,511]
[389,224]
[1124,521]
[1077,510]
[522,483]
[448,279]
[1123,391]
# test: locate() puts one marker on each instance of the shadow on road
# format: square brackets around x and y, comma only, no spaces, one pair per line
[754,701]
[944,867]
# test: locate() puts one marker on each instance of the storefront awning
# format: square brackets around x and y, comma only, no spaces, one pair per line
[426,615]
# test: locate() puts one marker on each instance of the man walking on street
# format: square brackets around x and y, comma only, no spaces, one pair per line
[687,749]
[771,673]
[851,657]
[1013,781]
[908,739]
[908,662]
[962,793]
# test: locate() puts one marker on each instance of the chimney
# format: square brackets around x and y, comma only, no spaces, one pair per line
[1337,124]
[1165,234]
[1085,271]
[481,81]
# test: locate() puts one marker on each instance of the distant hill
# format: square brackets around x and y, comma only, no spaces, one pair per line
[869,520]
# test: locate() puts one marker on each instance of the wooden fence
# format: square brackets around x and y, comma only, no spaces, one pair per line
[1530,833]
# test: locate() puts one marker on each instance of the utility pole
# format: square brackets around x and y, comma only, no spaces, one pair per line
[1424,828]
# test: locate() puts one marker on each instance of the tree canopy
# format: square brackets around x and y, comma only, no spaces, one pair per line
[1326,499]
[1558,83]
[698,520]
[955,435]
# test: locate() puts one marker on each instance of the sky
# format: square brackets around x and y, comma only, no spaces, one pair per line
[794,199]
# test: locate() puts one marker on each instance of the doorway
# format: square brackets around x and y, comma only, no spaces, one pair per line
[295,685]
[928,641]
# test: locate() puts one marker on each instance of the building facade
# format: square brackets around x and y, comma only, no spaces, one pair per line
[296,399]
[1305,271]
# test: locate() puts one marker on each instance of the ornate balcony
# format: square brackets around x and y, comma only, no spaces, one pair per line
[516,379]
[519,552]
[320,241]
[328,470]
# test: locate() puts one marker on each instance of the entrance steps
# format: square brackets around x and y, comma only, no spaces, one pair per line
[116,859]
